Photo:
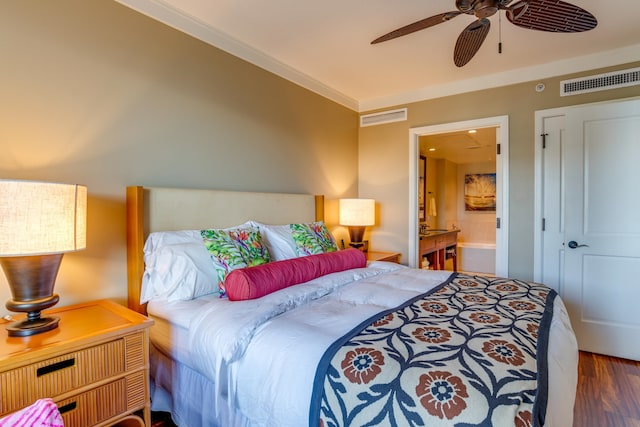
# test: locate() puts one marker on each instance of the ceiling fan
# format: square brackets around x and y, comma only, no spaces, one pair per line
[542,15]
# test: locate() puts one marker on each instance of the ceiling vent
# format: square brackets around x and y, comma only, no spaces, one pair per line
[383,117]
[614,80]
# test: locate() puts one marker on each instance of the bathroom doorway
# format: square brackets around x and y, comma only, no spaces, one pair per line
[453,146]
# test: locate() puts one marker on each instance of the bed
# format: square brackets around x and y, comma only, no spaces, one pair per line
[354,343]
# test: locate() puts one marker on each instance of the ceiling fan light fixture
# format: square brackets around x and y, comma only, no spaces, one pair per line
[465,6]
[541,15]
[485,8]
[486,12]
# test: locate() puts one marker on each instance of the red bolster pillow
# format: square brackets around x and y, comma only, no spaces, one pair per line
[260,280]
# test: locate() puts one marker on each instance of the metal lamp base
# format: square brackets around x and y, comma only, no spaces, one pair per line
[31,279]
[28,327]
[362,246]
[356,233]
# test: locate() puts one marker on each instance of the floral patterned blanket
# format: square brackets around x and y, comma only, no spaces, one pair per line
[471,352]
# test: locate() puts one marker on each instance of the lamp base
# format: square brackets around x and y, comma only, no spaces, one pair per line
[31,279]
[28,327]
[356,232]
[362,246]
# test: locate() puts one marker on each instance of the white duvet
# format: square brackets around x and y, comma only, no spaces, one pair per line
[261,355]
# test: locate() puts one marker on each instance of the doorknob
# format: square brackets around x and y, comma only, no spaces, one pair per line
[573,244]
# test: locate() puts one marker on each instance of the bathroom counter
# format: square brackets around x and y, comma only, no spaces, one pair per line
[437,246]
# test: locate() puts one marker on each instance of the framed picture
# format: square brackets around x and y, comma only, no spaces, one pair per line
[480,192]
[422,185]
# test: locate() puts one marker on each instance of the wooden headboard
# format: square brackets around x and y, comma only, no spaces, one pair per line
[152,209]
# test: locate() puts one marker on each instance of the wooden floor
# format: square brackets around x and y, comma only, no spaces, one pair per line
[608,394]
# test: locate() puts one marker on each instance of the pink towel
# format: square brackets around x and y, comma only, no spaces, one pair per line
[43,413]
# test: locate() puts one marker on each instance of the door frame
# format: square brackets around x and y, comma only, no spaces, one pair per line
[502,183]
[538,192]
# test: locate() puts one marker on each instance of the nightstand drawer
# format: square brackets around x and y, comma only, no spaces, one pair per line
[103,403]
[66,373]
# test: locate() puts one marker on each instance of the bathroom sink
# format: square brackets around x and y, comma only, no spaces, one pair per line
[433,231]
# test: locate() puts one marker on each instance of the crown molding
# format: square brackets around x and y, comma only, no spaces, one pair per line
[177,19]
[169,15]
[552,69]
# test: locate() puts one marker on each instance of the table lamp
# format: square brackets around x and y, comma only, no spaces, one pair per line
[357,214]
[39,222]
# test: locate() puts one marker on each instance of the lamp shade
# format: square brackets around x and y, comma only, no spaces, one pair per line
[38,218]
[357,212]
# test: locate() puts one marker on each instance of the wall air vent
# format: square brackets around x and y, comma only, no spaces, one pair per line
[383,117]
[614,80]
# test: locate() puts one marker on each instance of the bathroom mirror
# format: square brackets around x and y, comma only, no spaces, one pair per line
[422,187]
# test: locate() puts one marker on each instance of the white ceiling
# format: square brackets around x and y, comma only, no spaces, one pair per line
[324,45]
[461,147]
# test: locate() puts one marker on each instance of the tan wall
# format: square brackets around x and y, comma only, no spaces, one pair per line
[95,93]
[384,157]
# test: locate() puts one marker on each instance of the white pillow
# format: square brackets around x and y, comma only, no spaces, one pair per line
[178,272]
[158,239]
[278,240]
[178,266]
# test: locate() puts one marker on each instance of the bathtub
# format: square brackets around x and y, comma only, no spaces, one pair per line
[477,257]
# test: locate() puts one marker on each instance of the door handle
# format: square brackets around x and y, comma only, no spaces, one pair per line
[573,244]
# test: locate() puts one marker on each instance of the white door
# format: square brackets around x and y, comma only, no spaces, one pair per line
[601,226]
[551,223]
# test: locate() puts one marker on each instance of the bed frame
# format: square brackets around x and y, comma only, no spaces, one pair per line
[152,209]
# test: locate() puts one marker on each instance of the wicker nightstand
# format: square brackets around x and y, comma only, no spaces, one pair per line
[95,366]
[383,256]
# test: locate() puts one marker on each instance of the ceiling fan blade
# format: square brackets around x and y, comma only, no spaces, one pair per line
[555,16]
[470,40]
[417,26]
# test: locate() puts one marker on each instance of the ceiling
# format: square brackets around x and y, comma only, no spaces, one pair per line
[325,45]
[461,147]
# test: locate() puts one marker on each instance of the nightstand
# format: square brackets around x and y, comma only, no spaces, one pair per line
[383,256]
[95,366]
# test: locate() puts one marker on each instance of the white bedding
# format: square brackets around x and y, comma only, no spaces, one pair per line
[250,377]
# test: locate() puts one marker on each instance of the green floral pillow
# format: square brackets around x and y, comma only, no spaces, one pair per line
[312,238]
[232,249]
[251,245]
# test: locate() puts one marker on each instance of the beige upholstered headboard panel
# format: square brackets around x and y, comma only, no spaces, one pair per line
[152,209]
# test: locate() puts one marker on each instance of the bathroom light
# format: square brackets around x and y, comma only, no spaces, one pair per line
[40,221]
